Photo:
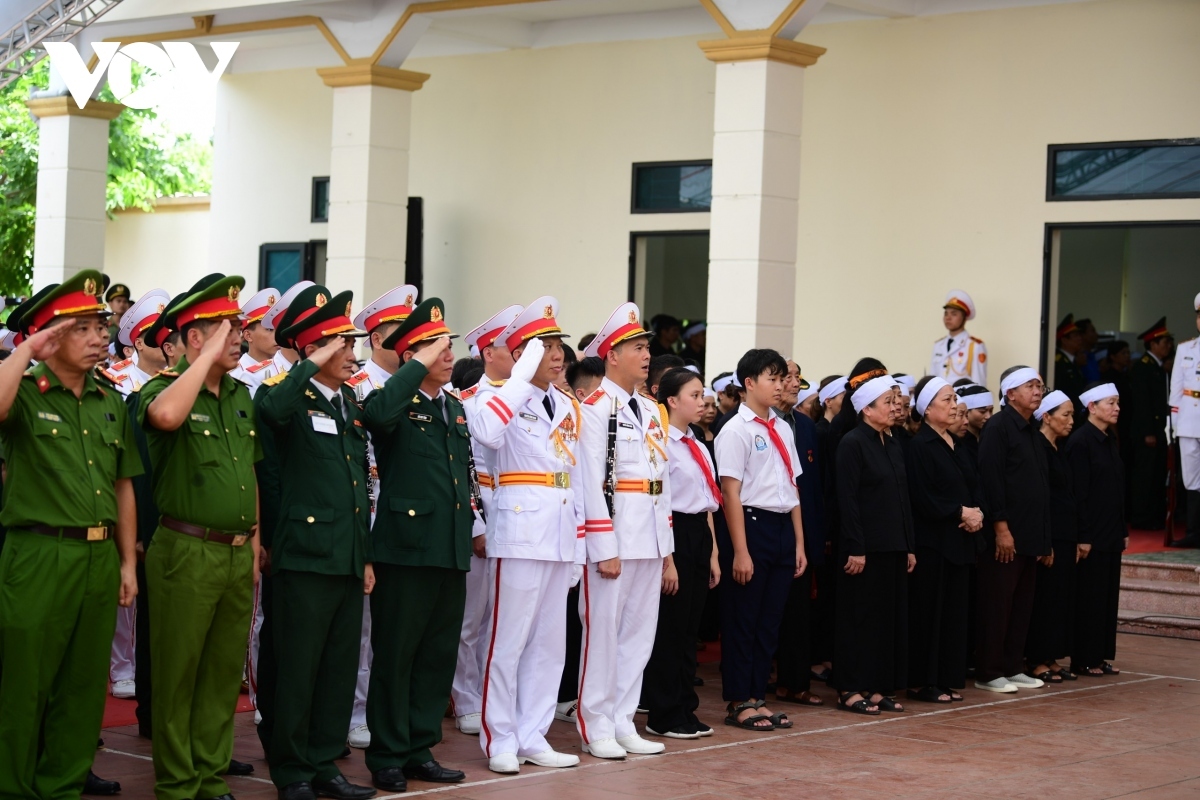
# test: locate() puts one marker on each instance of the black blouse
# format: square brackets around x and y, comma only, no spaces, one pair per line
[1062,493]
[1099,478]
[1016,484]
[872,494]
[939,490]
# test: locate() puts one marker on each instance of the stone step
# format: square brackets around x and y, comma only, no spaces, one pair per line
[1163,598]
[1151,624]
[1134,569]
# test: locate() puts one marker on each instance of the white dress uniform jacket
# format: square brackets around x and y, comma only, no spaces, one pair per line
[1185,410]
[251,372]
[127,376]
[961,356]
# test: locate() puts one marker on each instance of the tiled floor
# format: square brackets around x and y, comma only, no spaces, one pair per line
[1136,735]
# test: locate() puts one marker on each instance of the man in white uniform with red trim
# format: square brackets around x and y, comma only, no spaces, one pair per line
[261,346]
[958,354]
[628,536]
[467,690]
[534,541]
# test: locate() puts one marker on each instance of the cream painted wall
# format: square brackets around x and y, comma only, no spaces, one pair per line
[165,249]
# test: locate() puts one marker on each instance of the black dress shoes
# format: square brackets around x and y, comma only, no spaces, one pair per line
[225,796]
[239,768]
[301,790]
[390,779]
[434,772]
[96,785]
[342,789]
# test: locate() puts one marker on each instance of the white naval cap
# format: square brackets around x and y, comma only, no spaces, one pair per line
[623,324]
[391,306]
[486,334]
[281,305]
[8,340]
[957,298]
[258,305]
[141,315]
[1196,302]
[538,319]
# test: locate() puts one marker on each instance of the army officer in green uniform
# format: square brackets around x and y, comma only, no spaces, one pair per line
[69,557]
[1149,409]
[321,556]
[202,564]
[421,542]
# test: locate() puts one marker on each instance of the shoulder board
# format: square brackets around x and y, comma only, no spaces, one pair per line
[563,391]
[122,364]
[1146,359]
[649,397]
[944,338]
[454,393]
[1059,357]
[260,365]
[467,394]
[496,383]
[594,397]
[356,378]
[977,340]
[274,379]
[167,373]
[112,376]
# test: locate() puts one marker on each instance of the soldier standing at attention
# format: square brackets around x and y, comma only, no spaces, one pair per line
[1185,417]
[260,342]
[1067,377]
[421,542]
[958,354]
[202,565]
[1148,409]
[118,298]
[321,559]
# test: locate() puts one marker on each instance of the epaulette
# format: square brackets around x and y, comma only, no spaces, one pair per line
[1146,359]
[495,383]
[120,365]
[649,397]
[112,376]
[976,340]
[167,373]
[467,394]
[1059,357]
[356,379]
[594,397]
[260,365]
[274,379]
[564,391]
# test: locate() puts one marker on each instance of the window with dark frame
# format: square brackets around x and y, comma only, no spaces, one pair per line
[1143,170]
[672,187]
[283,264]
[320,199]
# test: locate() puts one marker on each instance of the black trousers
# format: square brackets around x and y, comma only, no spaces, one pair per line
[141,654]
[1052,621]
[568,687]
[823,611]
[1005,606]
[871,652]
[1148,485]
[792,661]
[937,621]
[1097,588]
[751,613]
[667,690]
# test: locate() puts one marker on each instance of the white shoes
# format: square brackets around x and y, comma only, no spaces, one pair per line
[469,723]
[359,738]
[124,690]
[605,748]
[257,717]
[1000,685]
[505,763]
[565,712]
[1023,681]
[551,758]
[639,746]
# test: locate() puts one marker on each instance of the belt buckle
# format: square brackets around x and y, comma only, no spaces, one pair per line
[97,534]
[654,487]
[239,539]
[562,480]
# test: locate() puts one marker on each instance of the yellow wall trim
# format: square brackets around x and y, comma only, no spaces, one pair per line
[64,106]
[433,7]
[759,47]
[715,12]
[204,27]
[199,202]
[373,75]
[785,17]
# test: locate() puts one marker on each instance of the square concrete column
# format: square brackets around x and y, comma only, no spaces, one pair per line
[755,194]
[72,175]
[368,177]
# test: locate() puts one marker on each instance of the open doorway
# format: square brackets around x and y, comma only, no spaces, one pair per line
[668,273]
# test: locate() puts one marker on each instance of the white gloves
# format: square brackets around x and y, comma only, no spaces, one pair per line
[576,574]
[527,365]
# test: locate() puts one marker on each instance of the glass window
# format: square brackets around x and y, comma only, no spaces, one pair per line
[281,265]
[672,187]
[1125,170]
[320,200]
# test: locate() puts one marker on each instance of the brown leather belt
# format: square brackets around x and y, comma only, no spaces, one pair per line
[96,534]
[207,534]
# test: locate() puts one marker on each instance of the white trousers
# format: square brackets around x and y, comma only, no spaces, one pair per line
[1189,462]
[121,663]
[256,623]
[619,617]
[467,689]
[526,635]
[359,716]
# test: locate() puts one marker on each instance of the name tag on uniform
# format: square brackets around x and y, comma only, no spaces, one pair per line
[528,416]
[46,415]
[323,424]
[200,418]
[413,415]
[626,425]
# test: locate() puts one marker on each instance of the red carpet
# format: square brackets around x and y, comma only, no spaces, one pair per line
[121,712]
[1150,541]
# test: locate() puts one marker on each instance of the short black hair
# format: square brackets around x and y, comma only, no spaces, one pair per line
[755,362]
[463,366]
[671,382]
[590,367]
[585,340]
[963,382]
[468,378]
[569,355]
[202,325]
[659,365]
[1117,347]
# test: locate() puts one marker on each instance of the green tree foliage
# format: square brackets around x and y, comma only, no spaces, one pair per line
[146,160]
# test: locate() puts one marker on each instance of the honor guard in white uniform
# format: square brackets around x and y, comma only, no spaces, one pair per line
[534,541]
[1185,419]
[467,690]
[623,452]
[129,374]
[261,346]
[378,319]
[959,354]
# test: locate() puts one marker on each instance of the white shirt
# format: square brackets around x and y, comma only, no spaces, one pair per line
[959,356]
[746,453]
[690,492]
[1185,389]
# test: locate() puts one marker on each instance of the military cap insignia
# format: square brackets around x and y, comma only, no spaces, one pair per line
[633,318]
[232,294]
[435,314]
[347,309]
[321,300]
[408,300]
[89,287]
[548,312]
[270,299]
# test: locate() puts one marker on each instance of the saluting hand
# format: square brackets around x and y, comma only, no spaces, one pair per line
[325,352]
[45,342]
[428,356]
[531,358]
[218,342]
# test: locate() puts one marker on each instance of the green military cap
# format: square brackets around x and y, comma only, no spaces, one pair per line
[16,317]
[117,290]
[427,321]
[312,316]
[214,296]
[77,296]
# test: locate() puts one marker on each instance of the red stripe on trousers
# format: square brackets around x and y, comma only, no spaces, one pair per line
[488,670]
[587,619]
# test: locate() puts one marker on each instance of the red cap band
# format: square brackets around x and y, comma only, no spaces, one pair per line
[73,303]
[420,333]
[538,327]
[617,337]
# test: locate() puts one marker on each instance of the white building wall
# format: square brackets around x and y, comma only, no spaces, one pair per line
[166,249]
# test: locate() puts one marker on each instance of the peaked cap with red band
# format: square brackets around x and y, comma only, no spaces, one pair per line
[275,319]
[159,330]
[141,315]
[257,306]
[1156,331]
[16,317]
[78,296]
[624,324]
[392,306]
[214,296]
[427,321]
[313,315]
[487,334]
[1066,327]
[538,320]
[957,298]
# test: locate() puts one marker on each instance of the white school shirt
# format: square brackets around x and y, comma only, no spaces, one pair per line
[745,452]
[690,493]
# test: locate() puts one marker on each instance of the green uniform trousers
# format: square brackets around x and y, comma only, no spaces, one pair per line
[318,624]
[416,618]
[199,626]
[58,610]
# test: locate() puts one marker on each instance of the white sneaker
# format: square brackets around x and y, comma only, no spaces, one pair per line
[506,763]
[469,723]
[257,717]
[359,738]
[1023,681]
[124,690]
[1000,685]
[565,712]
[551,758]
[605,748]
[639,746]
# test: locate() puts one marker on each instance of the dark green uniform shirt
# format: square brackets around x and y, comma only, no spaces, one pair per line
[65,453]
[423,517]
[204,470]
[325,515]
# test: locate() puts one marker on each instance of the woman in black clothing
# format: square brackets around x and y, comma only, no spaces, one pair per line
[1050,627]
[945,519]
[1094,455]
[875,545]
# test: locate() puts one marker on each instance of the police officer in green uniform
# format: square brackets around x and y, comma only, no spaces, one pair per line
[69,556]
[1068,378]
[1148,409]
[119,299]
[202,564]
[421,542]
[320,560]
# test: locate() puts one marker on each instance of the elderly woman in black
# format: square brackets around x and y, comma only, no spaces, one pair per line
[875,546]
[945,519]
[1049,637]
[1099,477]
